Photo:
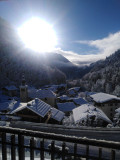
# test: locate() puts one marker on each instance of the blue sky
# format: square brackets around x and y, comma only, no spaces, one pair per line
[87,30]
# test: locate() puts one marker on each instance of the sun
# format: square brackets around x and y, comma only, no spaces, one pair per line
[38,35]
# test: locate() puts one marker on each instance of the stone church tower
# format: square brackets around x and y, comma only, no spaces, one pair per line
[23,90]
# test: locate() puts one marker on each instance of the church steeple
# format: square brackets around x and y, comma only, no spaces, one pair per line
[23,80]
[23,90]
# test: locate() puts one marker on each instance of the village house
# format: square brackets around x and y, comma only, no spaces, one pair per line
[66,107]
[106,102]
[46,95]
[35,110]
[10,91]
[89,115]
[38,111]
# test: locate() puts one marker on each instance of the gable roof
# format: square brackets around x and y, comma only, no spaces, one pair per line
[10,88]
[41,94]
[66,107]
[82,112]
[56,114]
[37,106]
[41,108]
[103,97]
[79,101]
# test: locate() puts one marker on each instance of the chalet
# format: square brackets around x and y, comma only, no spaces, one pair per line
[10,91]
[35,110]
[47,96]
[89,115]
[106,102]
[66,107]
[38,111]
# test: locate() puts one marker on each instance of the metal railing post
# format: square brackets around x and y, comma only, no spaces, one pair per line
[32,148]
[13,155]
[4,147]
[21,151]
[42,150]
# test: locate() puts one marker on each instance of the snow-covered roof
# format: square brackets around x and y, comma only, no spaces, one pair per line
[86,110]
[76,89]
[64,97]
[117,110]
[12,87]
[52,89]
[41,94]
[103,97]
[66,107]
[9,105]
[89,93]
[56,114]
[37,106]
[71,92]
[79,101]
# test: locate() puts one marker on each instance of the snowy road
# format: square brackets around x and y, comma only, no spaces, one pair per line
[92,133]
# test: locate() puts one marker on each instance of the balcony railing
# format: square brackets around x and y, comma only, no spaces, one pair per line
[33,145]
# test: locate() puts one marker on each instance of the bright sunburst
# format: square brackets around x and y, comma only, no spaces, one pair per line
[38,35]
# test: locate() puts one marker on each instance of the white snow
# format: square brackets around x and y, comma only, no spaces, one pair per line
[84,111]
[40,108]
[117,110]
[37,106]
[64,97]
[103,97]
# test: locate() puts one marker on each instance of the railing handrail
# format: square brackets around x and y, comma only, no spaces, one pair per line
[59,137]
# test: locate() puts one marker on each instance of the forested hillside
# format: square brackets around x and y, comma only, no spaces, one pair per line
[104,76]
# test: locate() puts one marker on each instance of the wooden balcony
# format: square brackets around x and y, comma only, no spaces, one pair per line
[21,144]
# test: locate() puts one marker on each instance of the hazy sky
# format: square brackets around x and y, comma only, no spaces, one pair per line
[87,30]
